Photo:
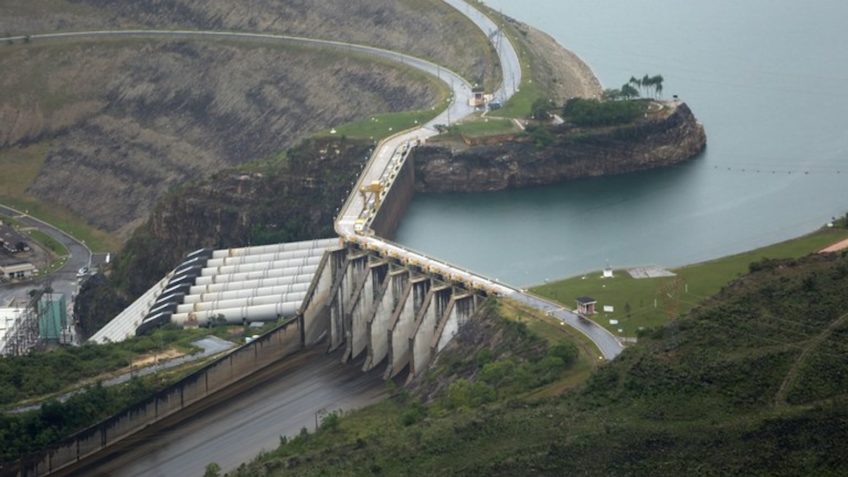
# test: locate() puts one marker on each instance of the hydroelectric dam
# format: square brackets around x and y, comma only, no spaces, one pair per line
[356,309]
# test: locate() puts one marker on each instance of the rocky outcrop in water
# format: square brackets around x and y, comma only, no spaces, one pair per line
[656,141]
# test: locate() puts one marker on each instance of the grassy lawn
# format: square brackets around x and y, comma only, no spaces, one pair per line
[478,127]
[482,127]
[652,300]
[383,125]
[49,242]
[60,253]
[519,105]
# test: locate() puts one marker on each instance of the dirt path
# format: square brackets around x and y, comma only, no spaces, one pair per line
[838,246]
[792,375]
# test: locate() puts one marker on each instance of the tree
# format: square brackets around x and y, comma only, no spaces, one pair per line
[657,81]
[635,82]
[212,470]
[539,109]
[612,94]
[646,83]
[629,92]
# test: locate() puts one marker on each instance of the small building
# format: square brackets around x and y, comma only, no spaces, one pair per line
[16,269]
[52,316]
[586,305]
[479,97]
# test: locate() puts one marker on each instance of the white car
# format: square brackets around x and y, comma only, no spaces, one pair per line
[82,272]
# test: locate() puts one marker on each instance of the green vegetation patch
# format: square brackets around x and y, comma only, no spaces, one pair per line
[49,242]
[41,374]
[482,127]
[594,113]
[380,126]
[650,302]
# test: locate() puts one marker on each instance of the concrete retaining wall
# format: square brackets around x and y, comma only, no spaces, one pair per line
[397,199]
[241,362]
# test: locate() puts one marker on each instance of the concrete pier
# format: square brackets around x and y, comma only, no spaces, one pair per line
[385,311]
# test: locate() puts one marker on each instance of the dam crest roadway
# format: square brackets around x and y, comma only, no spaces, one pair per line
[373,300]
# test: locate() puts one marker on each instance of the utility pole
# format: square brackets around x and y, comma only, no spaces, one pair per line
[450,101]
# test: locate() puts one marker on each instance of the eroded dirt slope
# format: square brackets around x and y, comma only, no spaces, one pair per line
[125,121]
[427,28]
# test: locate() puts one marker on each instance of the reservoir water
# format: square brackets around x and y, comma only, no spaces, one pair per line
[768,80]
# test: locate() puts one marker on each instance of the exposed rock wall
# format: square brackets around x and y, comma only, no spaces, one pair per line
[291,199]
[574,153]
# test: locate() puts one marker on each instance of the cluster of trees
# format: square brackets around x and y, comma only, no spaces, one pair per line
[21,434]
[645,86]
[594,113]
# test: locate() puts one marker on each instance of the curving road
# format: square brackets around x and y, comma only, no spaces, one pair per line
[63,280]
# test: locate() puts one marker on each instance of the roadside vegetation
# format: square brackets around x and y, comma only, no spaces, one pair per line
[751,383]
[21,434]
[51,244]
[644,304]
[46,373]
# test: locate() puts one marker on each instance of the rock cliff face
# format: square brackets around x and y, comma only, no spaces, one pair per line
[661,140]
[291,198]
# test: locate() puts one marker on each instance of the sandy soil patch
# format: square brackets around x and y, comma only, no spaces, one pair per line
[837,247]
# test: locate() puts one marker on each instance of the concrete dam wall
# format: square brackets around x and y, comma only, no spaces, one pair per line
[390,313]
[395,203]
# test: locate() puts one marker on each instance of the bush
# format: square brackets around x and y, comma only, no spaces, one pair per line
[594,113]
[539,109]
[212,470]
[330,422]
[463,393]
[540,135]
[566,351]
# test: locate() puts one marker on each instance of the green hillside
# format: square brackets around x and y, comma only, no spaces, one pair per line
[753,382]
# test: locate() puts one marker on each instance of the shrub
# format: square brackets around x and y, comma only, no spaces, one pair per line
[594,113]
[567,352]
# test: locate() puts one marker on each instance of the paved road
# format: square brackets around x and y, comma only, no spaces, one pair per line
[63,280]
[510,66]
[236,429]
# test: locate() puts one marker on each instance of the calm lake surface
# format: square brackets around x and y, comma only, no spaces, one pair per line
[769,80]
